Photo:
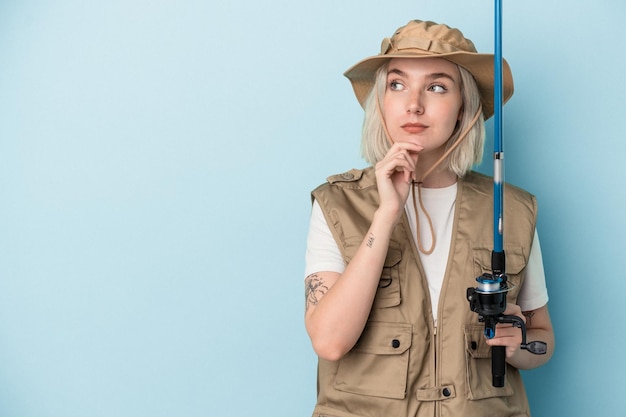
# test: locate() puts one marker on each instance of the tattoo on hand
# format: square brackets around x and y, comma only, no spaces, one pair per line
[370,240]
[314,290]
[529,316]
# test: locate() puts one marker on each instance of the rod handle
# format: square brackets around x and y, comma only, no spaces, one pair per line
[498,365]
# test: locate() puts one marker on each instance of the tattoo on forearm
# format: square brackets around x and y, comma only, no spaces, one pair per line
[314,290]
[370,240]
[529,317]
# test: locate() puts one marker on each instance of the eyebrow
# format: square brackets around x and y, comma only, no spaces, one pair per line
[432,76]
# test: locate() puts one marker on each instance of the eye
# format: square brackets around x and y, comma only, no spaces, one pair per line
[438,88]
[396,86]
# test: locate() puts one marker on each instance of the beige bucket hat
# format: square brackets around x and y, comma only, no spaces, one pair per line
[424,39]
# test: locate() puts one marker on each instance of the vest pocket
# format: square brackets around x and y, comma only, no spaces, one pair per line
[478,366]
[388,292]
[378,363]
[515,264]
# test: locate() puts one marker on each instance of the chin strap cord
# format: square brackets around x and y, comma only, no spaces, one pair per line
[418,183]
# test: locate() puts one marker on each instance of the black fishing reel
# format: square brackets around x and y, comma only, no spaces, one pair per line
[488,299]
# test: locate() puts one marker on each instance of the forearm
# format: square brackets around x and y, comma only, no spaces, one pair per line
[523,359]
[338,317]
[538,328]
[337,320]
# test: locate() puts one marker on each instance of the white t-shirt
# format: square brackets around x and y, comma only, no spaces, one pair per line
[323,254]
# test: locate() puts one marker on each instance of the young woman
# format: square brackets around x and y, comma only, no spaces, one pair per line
[393,248]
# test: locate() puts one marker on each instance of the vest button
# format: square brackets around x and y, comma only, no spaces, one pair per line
[474,345]
[446,392]
[395,343]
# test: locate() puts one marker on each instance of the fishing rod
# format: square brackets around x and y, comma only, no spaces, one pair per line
[488,298]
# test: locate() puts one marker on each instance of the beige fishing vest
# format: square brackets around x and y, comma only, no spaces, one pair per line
[402,365]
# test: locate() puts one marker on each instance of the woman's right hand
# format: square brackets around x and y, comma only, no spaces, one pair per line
[394,174]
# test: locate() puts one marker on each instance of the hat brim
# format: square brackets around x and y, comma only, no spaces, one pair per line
[481,66]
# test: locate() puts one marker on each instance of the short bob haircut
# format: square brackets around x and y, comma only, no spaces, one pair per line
[375,145]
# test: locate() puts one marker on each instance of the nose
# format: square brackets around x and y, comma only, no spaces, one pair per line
[415,104]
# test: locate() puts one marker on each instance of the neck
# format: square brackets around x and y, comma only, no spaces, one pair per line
[439,178]
[431,172]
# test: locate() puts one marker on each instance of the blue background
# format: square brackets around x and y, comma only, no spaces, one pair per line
[156,159]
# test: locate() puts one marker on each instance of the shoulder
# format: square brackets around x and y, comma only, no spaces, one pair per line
[479,189]
[484,183]
[349,190]
[353,179]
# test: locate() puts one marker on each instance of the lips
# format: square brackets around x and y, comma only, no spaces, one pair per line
[414,127]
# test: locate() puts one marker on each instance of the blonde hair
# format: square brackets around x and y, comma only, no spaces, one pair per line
[375,144]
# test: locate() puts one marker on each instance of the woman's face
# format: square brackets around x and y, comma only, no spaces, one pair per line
[422,102]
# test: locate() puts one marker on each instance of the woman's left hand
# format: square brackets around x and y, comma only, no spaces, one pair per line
[506,335]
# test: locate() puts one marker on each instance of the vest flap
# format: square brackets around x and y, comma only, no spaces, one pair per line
[383,338]
[352,175]
[515,259]
[475,342]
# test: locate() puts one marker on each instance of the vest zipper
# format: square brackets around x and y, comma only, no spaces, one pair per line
[436,370]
